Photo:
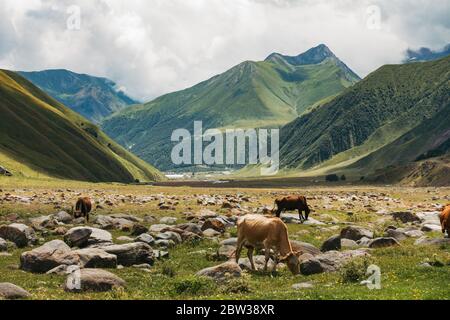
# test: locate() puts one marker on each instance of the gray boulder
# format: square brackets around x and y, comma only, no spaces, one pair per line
[222,271]
[96,258]
[78,236]
[355,233]
[329,261]
[96,280]
[47,257]
[405,216]
[383,242]
[396,234]
[304,247]
[131,253]
[332,243]
[63,217]
[146,238]
[20,234]
[10,291]
[432,241]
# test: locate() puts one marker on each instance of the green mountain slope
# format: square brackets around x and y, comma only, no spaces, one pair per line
[252,94]
[395,115]
[40,136]
[93,97]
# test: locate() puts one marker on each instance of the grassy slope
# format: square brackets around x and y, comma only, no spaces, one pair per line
[92,97]
[382,108]
[251,94]
[46,137]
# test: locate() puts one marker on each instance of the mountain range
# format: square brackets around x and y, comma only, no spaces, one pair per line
[397,115]
[40,137]
[267,93]
[93,97]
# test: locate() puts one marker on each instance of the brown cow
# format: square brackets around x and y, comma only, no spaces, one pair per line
[292,203]
[256,231]
[82,208]
[445,220]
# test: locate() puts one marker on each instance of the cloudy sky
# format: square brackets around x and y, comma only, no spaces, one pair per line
[151,47]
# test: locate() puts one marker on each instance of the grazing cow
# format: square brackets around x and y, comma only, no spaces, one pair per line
[292,203]
[445,220]
[255,231]
[82,208]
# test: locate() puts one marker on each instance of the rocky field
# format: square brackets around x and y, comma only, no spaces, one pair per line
[146,242]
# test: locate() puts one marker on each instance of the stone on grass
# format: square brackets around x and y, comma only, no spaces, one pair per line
[396,234]
[20,234]
[383,242]
[96,280]
[332,243]
[131,253]
[10,291]
[211,233]
[355,233]
[222,271]
[96,258]
[47,257]
[63,217]
[302,285]
[146,238]
[3,245]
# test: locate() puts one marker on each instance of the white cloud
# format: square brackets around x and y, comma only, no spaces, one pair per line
[151,47]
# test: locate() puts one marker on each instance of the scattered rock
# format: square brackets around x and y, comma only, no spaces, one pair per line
[125,239]
[427,227]
[97,280]
[222,271]
[215,224]
[432,241]
[78,236]
[304,247]
[329,261]
[355,233]
[11,291]
[383,242]
[259,262]
[47,257]
[131,253]
[20,234]
[332,243]
[168,220]
[138,229]
[302,285]
[414,233]
[63,217]
[146,238]
[396,234]
[158,227]
[405,217]
[211,233]
[96,258]
[348,244]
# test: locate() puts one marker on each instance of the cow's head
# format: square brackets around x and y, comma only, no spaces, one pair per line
[292,261]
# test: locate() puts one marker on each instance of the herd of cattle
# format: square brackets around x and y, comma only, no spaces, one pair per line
[258,231]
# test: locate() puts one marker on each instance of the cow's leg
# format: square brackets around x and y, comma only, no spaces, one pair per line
[275,261]
[300,215]
[278,212]
[250,257]
[240,244]
[87,217]
[267,255]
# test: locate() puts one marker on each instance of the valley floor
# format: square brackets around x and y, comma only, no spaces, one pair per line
[408,271]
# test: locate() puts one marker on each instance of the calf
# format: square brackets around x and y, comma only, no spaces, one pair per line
[292,203]
[82,208]
[256,231]
[445,220]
